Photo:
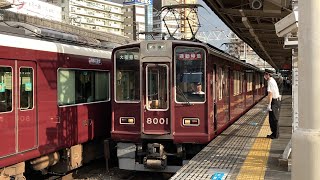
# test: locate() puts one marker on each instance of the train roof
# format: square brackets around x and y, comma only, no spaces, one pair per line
[12,35]
[229,57]
[211,49]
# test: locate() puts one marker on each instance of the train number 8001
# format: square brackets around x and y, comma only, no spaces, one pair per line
[158,121]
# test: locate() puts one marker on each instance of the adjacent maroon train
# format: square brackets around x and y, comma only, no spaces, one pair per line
[54,102]
[170,98]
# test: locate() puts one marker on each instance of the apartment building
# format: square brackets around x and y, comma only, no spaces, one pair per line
[193,20]
[97,15]
[137,18]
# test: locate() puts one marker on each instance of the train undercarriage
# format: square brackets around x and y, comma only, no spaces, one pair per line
[160,156]
[59,162]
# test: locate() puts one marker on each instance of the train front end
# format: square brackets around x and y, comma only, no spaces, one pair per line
[159,110]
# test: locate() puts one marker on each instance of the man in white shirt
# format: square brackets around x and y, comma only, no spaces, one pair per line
[199,89]
[273,105]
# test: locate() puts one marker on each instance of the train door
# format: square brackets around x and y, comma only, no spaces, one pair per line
[156,103]
[26,110]
[7,110]
[18,122]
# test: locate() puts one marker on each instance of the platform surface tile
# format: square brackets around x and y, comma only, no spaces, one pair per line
[242,151]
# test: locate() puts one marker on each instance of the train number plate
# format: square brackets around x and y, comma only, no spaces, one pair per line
[156,121]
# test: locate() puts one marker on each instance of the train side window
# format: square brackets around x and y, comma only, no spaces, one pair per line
[66,87]
[257,81]
[225,82]
[26,88]
[5,89]
[249,82]
[102,90]
[82,86]
[236,83]
[241,82]
[220,82]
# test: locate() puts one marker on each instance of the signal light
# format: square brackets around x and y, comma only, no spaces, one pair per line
[191,122]
[127,120]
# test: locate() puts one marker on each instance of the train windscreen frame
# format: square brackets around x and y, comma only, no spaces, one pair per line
[127,75]
[190,79]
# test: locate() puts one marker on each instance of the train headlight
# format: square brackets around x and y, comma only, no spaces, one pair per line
[156,47]
[127,120]
[191,121]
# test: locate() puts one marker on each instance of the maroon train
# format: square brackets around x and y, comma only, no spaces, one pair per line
[54,103]
[171,98]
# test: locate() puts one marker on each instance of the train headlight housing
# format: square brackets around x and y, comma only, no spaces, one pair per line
[156,47]
[190,121]
[127,120]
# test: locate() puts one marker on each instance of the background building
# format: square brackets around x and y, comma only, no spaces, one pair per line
[175,22]
[193,20]
[172,23]
[98,15]
[37,8]
[241,50]
[137,18]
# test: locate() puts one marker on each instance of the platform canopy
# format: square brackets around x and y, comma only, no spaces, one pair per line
[253,21]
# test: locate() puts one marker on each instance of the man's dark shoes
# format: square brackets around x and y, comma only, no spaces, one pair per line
[271,136]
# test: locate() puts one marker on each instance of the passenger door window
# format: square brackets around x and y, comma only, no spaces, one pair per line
[5,89]
[157,87]
[26,88]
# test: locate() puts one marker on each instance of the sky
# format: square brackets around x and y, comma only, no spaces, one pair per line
[211,22]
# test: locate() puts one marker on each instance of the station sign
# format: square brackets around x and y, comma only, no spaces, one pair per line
[286,66]
[37,8]
[149,2]
[218,176]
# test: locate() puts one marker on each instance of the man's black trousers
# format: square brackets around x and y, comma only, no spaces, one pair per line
[274,117]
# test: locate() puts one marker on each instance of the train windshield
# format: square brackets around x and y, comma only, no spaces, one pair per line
[190,74]
[127,75]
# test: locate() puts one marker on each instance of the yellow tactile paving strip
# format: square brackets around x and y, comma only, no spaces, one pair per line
[254,166]
[224,153]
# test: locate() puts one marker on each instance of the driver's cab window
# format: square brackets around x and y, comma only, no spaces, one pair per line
[127,75]
[190,74]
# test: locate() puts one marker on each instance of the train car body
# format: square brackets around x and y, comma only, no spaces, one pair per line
[171,98]
[54,102]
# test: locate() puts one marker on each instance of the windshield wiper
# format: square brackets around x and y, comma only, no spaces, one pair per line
[183,95]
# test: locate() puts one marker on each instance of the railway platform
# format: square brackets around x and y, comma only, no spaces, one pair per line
[242,151]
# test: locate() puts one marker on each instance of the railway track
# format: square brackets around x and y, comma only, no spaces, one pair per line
[96,171]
